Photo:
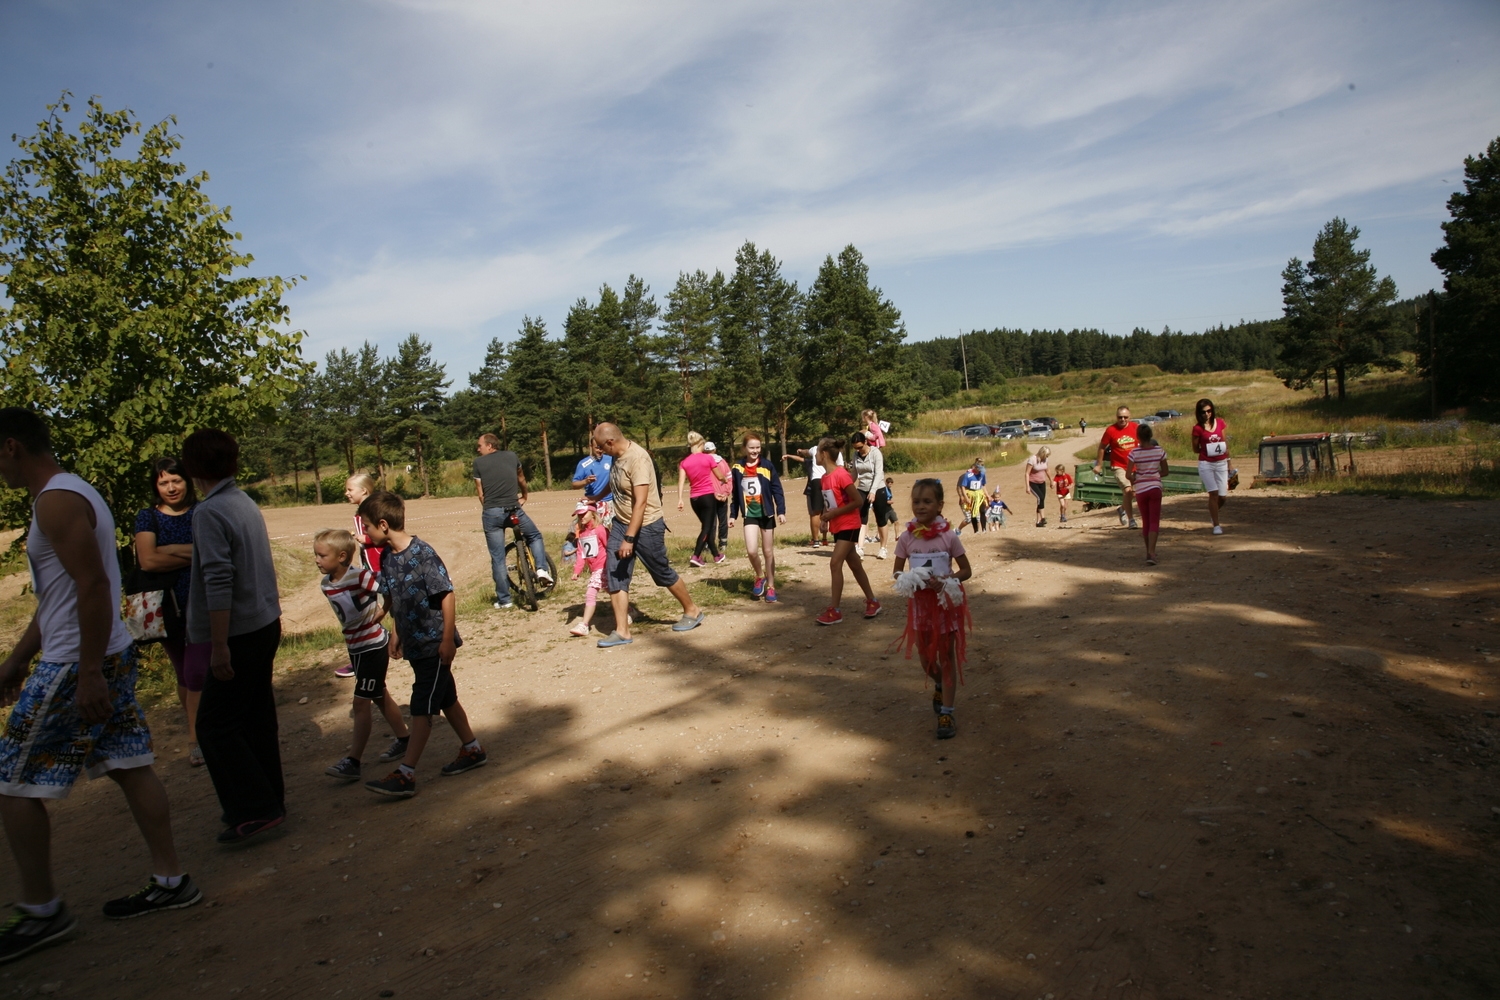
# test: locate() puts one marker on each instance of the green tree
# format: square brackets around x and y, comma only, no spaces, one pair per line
[414,387]
[688,342]
[1467,365]
[853,357]
[532,388]
[761,341]
[1337,318]
[129,322]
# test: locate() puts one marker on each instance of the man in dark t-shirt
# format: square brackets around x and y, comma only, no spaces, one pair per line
[501,485]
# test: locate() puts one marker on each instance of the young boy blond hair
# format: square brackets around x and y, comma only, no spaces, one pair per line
[354,594]
[420,598]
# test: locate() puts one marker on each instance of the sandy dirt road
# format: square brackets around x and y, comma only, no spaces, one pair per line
[1264,768]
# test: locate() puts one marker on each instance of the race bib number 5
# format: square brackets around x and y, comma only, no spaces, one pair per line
[751,487]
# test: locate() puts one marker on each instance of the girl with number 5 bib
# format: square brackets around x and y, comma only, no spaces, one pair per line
[1215,467]
[758,497]
[937,609]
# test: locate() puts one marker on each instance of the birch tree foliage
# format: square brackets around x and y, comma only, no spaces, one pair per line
[130,320]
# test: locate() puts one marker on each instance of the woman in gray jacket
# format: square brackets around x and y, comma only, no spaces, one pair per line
[233,605]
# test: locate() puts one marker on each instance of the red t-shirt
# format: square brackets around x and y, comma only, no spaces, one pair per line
[1064,484]
[1210,442]
[1121,441]
[838,489]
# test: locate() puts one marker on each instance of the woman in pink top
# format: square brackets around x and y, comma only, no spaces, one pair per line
[703,472]
[1145,467]
[874,433]
[1036,482]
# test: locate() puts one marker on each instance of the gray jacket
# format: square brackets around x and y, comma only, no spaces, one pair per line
[232,569]
[869,472]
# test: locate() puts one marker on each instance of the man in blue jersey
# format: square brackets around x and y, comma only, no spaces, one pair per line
[592,476]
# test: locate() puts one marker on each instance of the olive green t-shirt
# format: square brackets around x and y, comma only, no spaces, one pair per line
[634,469]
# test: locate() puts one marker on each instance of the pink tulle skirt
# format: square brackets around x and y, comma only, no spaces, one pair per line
[931,628]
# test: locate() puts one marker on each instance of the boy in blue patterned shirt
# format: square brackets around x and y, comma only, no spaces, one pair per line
[420,598]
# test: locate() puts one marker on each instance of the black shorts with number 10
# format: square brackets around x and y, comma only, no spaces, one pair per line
[369,671]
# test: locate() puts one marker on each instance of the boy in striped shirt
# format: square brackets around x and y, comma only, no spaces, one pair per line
[354,592]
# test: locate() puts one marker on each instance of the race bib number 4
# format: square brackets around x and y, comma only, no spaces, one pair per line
[1216,449]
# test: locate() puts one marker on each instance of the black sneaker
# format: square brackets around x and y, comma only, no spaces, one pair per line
[947,728]
[466,760]
[23,933]
[396,750]
[348,769]
[153,898]
[242,832]
[395,784]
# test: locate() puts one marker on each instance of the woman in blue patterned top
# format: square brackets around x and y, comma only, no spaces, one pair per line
[164,544]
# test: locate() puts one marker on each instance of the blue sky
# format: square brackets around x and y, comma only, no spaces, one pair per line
[445,167]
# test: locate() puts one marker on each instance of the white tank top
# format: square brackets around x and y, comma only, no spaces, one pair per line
[57,594]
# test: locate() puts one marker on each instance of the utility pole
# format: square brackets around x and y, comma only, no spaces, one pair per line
[965,355]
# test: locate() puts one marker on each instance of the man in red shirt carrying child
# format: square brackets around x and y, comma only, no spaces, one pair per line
[1119,440]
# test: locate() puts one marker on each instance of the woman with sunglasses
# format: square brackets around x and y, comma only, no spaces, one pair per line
[1215,467]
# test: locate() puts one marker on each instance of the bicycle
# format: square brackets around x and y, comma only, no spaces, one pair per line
[520,567]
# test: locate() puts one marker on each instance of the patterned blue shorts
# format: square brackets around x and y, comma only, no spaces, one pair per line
[46,744]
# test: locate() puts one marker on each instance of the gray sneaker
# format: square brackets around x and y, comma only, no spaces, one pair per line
[348,769]
[396,750]
[1122,517]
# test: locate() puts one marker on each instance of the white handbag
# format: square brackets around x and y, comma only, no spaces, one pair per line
[144,618]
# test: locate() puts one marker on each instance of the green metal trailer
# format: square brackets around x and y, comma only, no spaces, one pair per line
[1104,491]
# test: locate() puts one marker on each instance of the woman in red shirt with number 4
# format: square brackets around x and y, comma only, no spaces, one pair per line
[1211,442]
[842,504]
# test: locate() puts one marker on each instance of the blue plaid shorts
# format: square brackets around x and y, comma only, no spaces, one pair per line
[46,744]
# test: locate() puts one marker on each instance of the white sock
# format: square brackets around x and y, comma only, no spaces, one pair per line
[410,772]
[472,745]
[947,710]
[43,910]
[167,881]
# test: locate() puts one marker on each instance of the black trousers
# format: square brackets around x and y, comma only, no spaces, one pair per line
[707,509]
[238,732]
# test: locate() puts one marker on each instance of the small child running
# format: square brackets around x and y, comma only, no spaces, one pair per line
[354,593]
[842,504]
[996,518]
[420,598]
[1063,483]
[937,609]
[592,552]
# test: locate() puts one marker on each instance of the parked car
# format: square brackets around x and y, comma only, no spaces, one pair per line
[1041,432]
[1010,430]
[975,431]
[1150,418]
[1168,414]
[1050,422]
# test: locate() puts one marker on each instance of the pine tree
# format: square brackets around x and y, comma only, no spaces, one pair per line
[1468,320]
[688,342]
[532,384]
[415,384]
[761,341]
[1337,318]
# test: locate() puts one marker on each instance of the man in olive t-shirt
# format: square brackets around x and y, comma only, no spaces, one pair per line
[501,486]
[638,530]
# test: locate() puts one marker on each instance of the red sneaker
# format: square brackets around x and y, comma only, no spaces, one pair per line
[831,616]
[872,608]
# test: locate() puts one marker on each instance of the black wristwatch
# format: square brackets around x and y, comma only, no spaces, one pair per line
[630,538]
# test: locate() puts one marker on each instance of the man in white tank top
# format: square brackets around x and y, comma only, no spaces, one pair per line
[75,710]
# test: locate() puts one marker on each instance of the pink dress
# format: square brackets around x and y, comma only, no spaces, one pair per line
[874,436]
[929,623]
[591,554]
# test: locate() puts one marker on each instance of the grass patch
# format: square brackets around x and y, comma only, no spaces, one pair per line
[942,455]
[1474,476]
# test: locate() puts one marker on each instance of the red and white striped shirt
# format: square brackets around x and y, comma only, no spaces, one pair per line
[1146,462]
[356,603]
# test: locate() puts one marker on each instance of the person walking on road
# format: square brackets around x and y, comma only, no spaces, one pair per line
[501,484]
[1148,467]
[76,708]
[703,470]
[1118,441]
[972,503]
[868,468]
[1036,482]
[1215,467]
[638,531]
[758,496]
[232,604]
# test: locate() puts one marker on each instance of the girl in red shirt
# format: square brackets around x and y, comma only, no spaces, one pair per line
[1063,483]
[842,504]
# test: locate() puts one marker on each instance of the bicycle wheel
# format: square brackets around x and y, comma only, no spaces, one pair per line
[543,588]
[518,567]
